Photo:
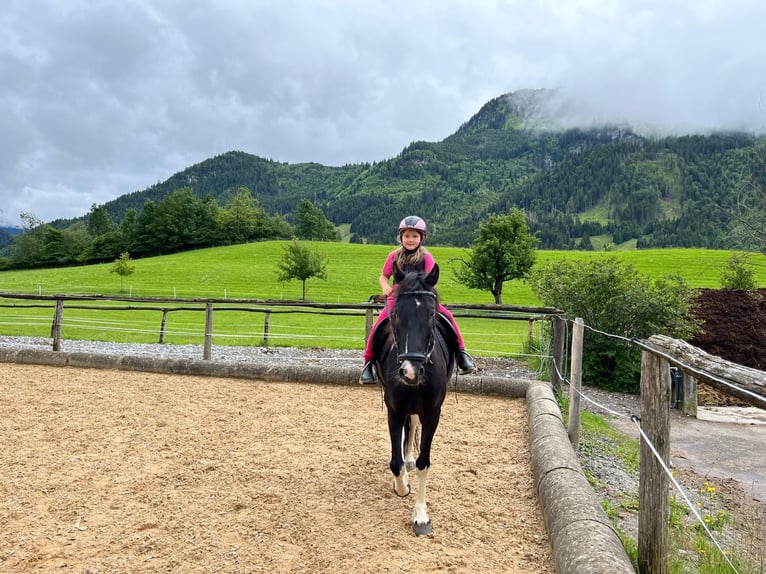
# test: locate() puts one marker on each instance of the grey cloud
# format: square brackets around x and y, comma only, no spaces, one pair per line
[102,99]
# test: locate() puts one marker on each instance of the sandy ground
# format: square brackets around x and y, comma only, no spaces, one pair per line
[106,471]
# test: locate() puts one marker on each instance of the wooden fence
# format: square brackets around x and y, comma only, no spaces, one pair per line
[269,307]
[659,354]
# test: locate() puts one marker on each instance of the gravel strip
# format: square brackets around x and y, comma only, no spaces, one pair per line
[272,356]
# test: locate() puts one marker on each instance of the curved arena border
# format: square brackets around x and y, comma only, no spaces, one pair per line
[582,536]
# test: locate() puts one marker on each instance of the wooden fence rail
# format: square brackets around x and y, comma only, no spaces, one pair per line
[271,307]
[659,354]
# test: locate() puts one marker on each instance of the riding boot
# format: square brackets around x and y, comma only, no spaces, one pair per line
[465,362]
[367,377]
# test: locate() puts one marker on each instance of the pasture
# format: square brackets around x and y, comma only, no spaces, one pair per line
[107,471]
[249,271]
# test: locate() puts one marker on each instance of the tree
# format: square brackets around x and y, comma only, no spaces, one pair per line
[75,242]
[105,247]
[242,218]
[302,263]
[123,266]
[311,223]
[143,239]
[503,250]
[183,221]
[98,221]
[129,229]
[619,303]
[748,230]
[27,249]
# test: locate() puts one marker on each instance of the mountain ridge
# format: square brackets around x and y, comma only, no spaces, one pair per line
[575,183]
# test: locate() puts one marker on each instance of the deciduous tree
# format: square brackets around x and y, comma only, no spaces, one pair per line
[123,266]
[619,303]
[302,263]
[503,250]
[242,218]
[311,223]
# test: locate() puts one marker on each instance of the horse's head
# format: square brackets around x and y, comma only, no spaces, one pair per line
[412,323]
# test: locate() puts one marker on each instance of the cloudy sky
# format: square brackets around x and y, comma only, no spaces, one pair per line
[101,98]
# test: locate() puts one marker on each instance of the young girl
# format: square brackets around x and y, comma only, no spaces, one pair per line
[411,256]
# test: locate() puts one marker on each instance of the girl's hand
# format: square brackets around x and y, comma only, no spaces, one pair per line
[387,290]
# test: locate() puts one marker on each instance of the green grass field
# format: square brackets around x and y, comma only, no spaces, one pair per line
[249,272]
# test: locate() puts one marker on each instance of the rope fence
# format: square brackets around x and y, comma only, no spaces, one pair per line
[326,325]
[575,390]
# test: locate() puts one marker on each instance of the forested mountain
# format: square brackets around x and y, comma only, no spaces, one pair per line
[574,183]
[7,234]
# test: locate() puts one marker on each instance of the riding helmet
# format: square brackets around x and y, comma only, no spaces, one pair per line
[413,222]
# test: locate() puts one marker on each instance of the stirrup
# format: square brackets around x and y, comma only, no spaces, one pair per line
[367,377]
[465,363]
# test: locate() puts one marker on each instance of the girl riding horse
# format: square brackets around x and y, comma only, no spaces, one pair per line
[411,256]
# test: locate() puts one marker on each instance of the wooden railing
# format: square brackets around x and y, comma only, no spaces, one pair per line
[659,354]
[269,307]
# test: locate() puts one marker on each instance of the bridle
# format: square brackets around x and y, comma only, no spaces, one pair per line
[407,355]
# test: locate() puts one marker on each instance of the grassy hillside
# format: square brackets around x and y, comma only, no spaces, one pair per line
[249,271]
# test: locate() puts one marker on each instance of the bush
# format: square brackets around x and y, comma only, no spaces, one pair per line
[617,304]
[738,273]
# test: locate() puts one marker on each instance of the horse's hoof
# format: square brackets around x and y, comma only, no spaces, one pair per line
[409,489]
[422,529]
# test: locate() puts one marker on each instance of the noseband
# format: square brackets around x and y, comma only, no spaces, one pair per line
[409,356]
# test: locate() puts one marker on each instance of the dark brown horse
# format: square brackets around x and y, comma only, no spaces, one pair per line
[414,360]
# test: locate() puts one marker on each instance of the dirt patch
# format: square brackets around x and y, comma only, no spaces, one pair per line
[734,328]
[106,471]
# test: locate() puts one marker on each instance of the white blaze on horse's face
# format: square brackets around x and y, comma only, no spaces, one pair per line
[408,372]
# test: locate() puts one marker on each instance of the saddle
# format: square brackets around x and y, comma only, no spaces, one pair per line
[446,337]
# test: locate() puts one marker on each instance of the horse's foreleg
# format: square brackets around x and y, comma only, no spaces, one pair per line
[427,431]
[397,466]
[421,523]
[410,435]
[402,482]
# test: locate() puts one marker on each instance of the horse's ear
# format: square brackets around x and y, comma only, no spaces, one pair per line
[433,277]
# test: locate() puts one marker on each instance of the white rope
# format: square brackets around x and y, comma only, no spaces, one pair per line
[689,503]
[636,420]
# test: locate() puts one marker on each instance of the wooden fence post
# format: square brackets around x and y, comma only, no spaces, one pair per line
[653,482]
[688,394]
[206,352]
[56,326]
[575,381]
[162,325]
[266,318]
[559,342]
[367,323]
